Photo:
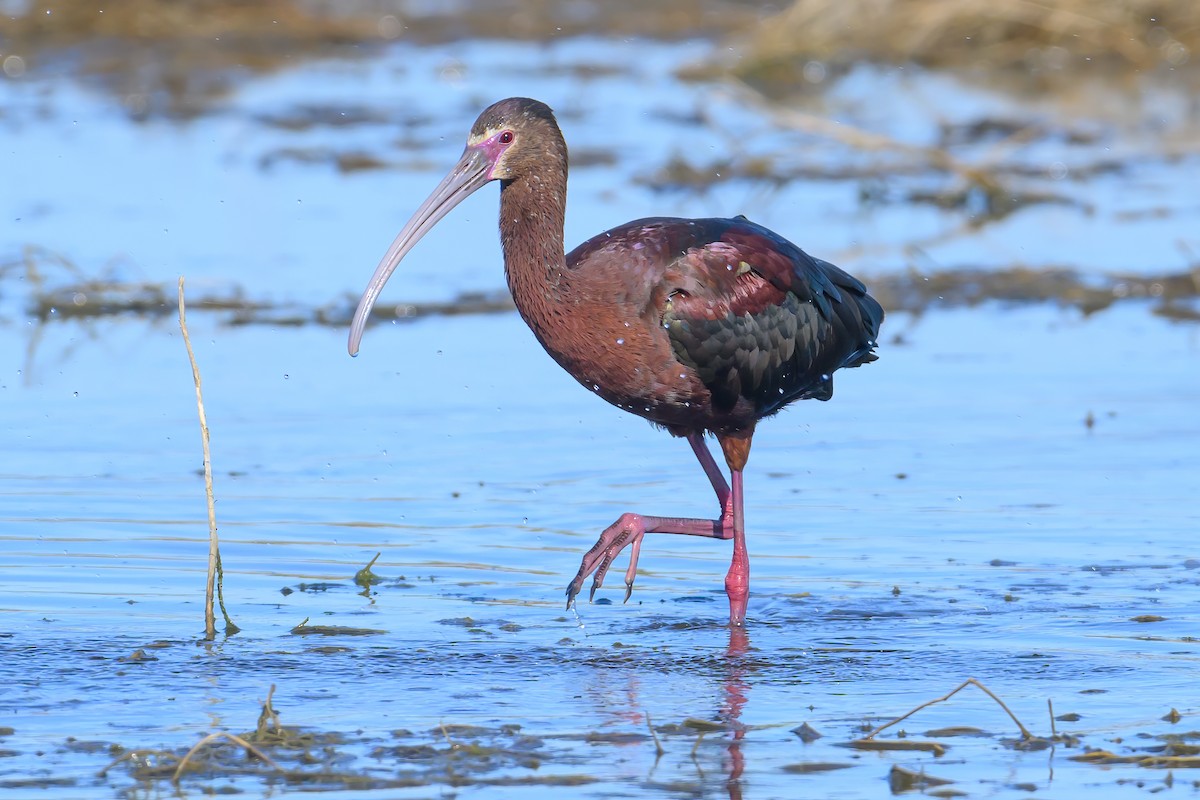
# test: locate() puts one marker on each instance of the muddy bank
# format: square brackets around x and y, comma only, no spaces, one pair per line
[1042,45]
[180,60]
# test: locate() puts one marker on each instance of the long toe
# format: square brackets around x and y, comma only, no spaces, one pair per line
[629,529]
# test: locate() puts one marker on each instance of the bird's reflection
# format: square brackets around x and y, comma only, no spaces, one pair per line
[727,676]
[736,690]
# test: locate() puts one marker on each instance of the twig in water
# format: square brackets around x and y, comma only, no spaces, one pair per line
[658,748]
[214,554]
[233,737]
[268,720]
[364,577]
[1025,734]
[446,735]
[230,627]
[1050,706]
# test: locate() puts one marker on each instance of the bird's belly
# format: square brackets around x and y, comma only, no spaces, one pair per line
[645,379]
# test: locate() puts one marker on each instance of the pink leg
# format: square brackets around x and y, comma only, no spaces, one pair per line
[737,580]
[700,448]
[630,529]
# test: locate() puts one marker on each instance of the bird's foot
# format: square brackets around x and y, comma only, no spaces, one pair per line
[628,530]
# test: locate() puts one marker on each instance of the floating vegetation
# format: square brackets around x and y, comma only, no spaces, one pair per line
[1173,295]
[810,767]
[907,780]
[452,754]
[365,577]
[274,753]
[304,629]
[897,745]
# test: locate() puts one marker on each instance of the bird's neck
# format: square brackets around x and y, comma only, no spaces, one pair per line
[532,210]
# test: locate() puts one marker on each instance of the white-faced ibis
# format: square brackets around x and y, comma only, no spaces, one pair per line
[697,325]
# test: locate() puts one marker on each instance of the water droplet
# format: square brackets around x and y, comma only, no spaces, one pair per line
[620,341]
[75,394]
[14,66]
[595,387]
[286,376]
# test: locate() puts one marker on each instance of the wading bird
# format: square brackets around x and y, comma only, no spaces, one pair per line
[697,325]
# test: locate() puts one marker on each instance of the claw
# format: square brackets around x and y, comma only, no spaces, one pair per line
[628,530]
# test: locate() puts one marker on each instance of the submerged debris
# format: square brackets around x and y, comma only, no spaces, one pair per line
[448,756]
[807,733]
[936,748]
[906,780]
[810,767]
[304,629]
[365,577]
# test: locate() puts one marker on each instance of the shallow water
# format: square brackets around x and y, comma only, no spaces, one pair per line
[950,514]
[1017,549]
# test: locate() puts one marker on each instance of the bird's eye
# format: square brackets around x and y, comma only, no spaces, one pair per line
[505,138]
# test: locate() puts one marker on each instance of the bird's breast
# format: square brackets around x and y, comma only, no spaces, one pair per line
[622,353]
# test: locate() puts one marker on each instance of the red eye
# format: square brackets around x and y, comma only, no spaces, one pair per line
[505,138]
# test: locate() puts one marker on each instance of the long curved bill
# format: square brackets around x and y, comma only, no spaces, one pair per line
[470,173]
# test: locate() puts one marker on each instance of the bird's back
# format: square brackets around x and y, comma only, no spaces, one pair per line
[751,317]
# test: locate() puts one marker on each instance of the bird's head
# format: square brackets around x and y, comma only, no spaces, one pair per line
[514,135]
[508,140]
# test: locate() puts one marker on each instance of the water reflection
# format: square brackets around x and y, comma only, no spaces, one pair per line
[737,689]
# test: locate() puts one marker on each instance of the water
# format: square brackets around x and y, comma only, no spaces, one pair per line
[950,514]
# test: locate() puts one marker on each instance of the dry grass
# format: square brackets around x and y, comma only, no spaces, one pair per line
[214,552]
[1053,35]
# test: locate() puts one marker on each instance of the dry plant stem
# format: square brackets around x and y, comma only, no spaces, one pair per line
[233,737]
[1050,706]
[230,627]
[658,748]
[968,682]
[210,625]
[267,718]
